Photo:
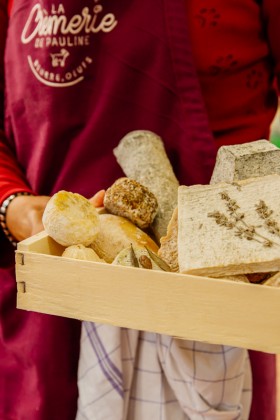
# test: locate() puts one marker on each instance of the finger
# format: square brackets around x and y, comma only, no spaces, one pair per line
[97,199]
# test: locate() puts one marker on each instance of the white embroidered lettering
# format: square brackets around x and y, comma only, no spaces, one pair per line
[60,33]
[59,10]
[40,23]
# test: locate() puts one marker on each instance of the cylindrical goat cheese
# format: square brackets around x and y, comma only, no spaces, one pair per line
[142,156]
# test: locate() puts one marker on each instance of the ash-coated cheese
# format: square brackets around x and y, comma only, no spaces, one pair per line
[247,160]
[142,156]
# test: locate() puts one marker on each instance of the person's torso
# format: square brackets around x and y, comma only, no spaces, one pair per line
[80,76]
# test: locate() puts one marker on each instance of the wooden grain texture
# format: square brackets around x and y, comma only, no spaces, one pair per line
[247,160]
[41,243]
[278,388]
[191,307]
[208,248]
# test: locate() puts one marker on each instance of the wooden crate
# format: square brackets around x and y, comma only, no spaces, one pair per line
[185,306]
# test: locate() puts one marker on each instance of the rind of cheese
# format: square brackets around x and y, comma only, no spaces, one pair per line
[214,241]
[70,219]
[168,250]
[117,233]
[128,198]
[142,156]
[128,256]
[273,280]
[238,278]
[247,160]
[81,252]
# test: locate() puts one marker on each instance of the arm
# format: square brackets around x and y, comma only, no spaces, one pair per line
[23,216]
[24,213]
[10,177]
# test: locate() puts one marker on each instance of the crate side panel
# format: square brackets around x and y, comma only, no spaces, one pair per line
[40,243]
[196,308]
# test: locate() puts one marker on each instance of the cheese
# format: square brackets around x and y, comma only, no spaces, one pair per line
[247,160]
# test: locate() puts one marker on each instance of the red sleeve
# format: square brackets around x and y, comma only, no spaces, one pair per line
[10,5]
[272,17]
[11,177]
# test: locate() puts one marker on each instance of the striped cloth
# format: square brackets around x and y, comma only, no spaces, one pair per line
[132,375]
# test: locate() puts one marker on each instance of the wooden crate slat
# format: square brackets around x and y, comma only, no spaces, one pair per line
[185,306]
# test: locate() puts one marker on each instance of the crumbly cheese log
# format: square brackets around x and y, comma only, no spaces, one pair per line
[117,233]
[227,229]
[128,198]
[142,157]
[247,160]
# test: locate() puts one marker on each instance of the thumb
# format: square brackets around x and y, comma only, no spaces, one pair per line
[97,199]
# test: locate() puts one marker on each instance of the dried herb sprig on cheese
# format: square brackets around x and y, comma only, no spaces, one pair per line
[236,220]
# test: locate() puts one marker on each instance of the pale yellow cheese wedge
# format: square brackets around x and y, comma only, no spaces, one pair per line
[117,233]
[70,219]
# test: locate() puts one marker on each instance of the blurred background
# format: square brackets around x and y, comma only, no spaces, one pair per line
[275,139]
[275,129]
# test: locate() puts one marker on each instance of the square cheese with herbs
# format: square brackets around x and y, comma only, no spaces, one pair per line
[228,229]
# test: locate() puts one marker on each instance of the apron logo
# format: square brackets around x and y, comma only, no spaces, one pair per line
[58,59]
[60,34]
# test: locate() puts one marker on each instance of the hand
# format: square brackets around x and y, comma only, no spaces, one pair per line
[24,216]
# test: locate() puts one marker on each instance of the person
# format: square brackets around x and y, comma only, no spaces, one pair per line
[78,77]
